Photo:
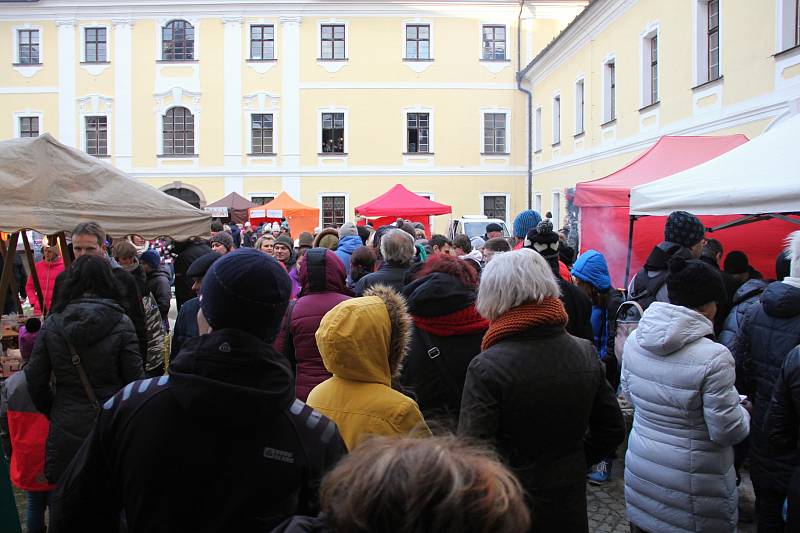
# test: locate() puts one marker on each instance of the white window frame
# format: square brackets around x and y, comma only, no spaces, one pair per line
[27,70]
[507,196]
[251,195]
[785,38]
[645,56]
[607,96]
[431,124]
[346,196]
[82,30]
[537,202]
[249,117]
[700,41]
[580,105]
[556,119]
[418,22]
[333,109]
[537,125]
[109,132]
[497,110]
[276,53]
[483,23]
[28,113]
[432,197]
[161,22]
[175,98]
[555,208]
[328,22]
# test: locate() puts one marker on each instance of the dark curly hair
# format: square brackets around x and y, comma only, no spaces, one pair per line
[447,264]
[88,275]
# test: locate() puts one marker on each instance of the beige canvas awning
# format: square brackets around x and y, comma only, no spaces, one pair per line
[49,187]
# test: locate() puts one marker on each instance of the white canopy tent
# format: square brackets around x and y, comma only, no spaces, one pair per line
[760,177]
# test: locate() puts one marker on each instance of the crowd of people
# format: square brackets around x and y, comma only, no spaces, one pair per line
[379,379]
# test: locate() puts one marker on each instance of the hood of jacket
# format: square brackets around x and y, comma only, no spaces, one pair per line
[331,277]
[592,268]
[230,371]
[161,271]
[366,339]
[349,244]
[87,320]
[749,288]
[781,300]
[438,294]
[58,264]
[661,254]
[666,328]
[327,232]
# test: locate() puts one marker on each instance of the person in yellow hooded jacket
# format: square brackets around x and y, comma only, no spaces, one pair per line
[363,342]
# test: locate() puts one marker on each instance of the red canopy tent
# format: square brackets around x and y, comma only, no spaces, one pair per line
[605,202]
[399,202]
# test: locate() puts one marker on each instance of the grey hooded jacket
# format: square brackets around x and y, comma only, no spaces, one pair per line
[679,473]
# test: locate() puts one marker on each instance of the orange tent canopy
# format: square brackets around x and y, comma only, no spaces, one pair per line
[301,217]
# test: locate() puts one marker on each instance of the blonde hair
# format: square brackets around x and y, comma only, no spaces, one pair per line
[441,484]
[512,279]
[266,237]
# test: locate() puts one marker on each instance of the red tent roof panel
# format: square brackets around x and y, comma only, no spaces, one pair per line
[670,154]
[400,202]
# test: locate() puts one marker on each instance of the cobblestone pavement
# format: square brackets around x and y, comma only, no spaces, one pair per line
[606,504]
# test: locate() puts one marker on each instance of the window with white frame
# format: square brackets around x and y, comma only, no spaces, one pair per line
[494,42]
[28,126]
[555,208]
[332,133]
[537,127]
[707,39]
[262,42]
[97,136]
[418,41]
[177,41]
[494,133]
[261,200]
[495,206]
[178,130]
[579,105]
[28,47]
[261,131]
[333,211]
[417,133]
[537,202]
[609,90]
[556,120]
[332,41]
[788,24]
[95,45]
[649,81]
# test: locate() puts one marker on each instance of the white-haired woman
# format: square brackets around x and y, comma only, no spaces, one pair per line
[535,390]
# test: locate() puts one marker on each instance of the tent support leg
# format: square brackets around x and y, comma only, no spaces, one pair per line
[7,279]
[630,249]
[34,274]
[62,242]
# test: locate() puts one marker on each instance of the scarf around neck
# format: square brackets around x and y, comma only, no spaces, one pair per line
[461,322]
[550,312]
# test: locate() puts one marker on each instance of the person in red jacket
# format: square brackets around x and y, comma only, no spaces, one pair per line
[47,270]
[27,430]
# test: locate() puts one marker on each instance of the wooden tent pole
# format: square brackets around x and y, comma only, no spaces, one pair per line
[34,274]
[62,242]
[7,279]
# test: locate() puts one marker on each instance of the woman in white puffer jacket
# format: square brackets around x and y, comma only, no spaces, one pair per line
[679,474]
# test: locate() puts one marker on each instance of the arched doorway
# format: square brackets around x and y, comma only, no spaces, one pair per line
[188,196]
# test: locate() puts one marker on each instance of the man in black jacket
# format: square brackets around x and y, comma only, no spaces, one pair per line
[159,282]
[397,250]
[187,252]
[219,444]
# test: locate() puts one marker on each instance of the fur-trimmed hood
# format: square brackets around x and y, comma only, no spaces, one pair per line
[327,238]
[366,339]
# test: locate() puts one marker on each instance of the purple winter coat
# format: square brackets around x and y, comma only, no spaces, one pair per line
[307,314]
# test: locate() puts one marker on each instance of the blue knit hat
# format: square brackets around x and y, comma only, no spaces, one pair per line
[526,221]
[151,259]
[592,268]
[246,290]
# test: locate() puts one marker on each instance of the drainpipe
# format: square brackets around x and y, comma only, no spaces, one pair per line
[530,105]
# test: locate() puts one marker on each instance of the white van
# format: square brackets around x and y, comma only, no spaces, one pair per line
[474,226]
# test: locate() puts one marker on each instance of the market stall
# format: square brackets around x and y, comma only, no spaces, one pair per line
[301,217]
[49,187]
[605,207]
[232,208]
[399,202]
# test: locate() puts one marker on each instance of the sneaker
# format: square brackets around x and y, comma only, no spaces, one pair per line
[601,473]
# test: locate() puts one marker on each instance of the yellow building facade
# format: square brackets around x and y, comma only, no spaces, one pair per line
[331,102]
[626,72]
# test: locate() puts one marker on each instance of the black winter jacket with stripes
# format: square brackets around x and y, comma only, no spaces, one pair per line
[219,444]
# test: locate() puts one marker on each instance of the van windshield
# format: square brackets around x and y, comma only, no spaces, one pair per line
[478,229]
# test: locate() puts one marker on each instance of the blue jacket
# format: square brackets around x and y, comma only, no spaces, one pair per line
[348,245]
[745,297]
